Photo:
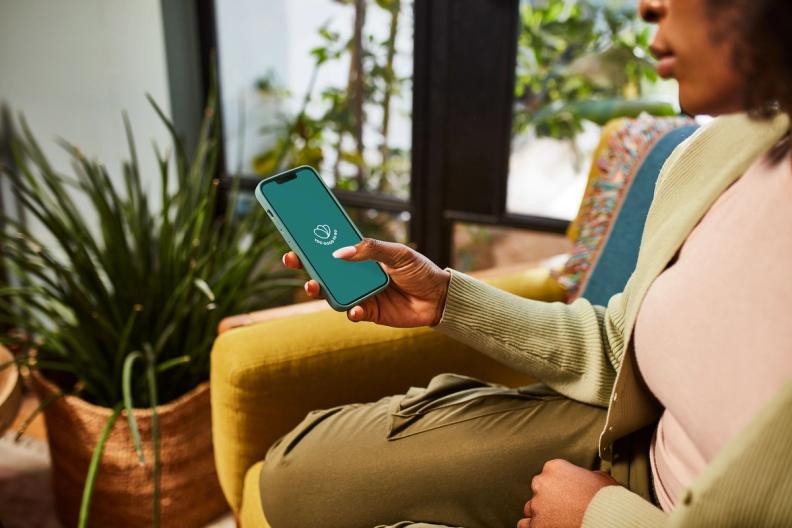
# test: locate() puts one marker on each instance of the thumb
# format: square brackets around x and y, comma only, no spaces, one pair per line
[389,253]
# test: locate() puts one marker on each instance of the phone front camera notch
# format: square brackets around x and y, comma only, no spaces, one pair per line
[285,178]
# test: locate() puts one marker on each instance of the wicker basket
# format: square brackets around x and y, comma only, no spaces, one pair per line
[10,390]
[190,492]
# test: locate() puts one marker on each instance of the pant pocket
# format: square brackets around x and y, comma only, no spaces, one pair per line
[442,389]
[453,398]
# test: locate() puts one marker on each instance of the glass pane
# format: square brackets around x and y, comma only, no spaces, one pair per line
[380,224]
[478,247]
[580,63]
[319,82]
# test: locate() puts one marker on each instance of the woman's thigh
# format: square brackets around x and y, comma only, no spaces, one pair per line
[459,452]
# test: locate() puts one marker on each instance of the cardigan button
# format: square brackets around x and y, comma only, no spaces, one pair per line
[687,498]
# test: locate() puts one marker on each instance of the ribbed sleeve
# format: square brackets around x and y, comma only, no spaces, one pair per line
[618,507]
[575,348]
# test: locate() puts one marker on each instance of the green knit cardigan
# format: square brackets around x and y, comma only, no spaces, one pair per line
[586,352]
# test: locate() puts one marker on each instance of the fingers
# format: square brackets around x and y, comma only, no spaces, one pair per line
[291,260]
[535,483]
[528,512]
[356,314]
[313,290]
[391,254]
[367,311]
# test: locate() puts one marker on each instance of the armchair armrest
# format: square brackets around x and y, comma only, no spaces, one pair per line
[266,376]
[533,282]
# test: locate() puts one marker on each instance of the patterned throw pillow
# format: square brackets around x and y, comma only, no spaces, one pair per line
[629,154]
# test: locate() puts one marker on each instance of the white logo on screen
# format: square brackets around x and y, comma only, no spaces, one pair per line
[323,234]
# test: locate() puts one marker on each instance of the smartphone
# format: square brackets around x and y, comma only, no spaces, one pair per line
[314,224]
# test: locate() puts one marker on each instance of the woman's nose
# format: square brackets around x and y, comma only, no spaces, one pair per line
[652,10]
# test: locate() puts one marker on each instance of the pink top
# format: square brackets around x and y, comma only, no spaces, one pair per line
[713,338]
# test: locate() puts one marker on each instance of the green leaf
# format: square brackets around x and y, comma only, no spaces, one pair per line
[204,287]
[129,364]
[171,363]
[151,376]
[93,468]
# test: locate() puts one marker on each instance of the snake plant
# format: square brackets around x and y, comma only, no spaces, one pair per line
[101,277]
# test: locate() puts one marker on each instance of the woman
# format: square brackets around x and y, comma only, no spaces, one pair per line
[673,405]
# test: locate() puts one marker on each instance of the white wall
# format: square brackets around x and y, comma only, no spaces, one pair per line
[72,66]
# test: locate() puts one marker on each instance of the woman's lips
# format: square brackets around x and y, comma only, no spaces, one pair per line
[666,66]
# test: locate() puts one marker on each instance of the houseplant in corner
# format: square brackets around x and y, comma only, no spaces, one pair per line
[116,305]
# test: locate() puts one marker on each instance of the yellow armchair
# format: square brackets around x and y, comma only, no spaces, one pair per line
[270,368]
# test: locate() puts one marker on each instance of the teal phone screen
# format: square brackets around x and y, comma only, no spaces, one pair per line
[317,224]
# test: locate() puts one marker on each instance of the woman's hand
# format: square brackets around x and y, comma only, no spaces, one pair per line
[561,494]
[416,294]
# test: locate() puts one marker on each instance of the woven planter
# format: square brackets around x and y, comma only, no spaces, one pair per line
[190,492]
[10,391]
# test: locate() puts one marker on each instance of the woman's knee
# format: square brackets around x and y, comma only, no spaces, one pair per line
[315,465]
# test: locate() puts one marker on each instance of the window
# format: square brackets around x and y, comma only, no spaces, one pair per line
[322,83]
[579,64]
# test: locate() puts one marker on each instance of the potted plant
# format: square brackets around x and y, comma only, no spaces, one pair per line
[116,304]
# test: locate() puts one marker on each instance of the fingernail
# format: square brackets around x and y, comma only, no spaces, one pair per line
[283,259]
[345,252]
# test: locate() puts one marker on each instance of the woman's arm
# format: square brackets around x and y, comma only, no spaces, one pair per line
[575,348]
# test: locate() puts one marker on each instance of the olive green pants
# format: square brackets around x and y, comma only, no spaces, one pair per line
[458,453]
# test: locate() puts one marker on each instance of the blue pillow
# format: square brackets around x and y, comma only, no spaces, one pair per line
[619,255]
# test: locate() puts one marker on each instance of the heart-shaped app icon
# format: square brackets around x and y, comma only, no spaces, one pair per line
[322,231]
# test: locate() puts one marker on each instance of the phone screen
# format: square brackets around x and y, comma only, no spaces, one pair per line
[319,226]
